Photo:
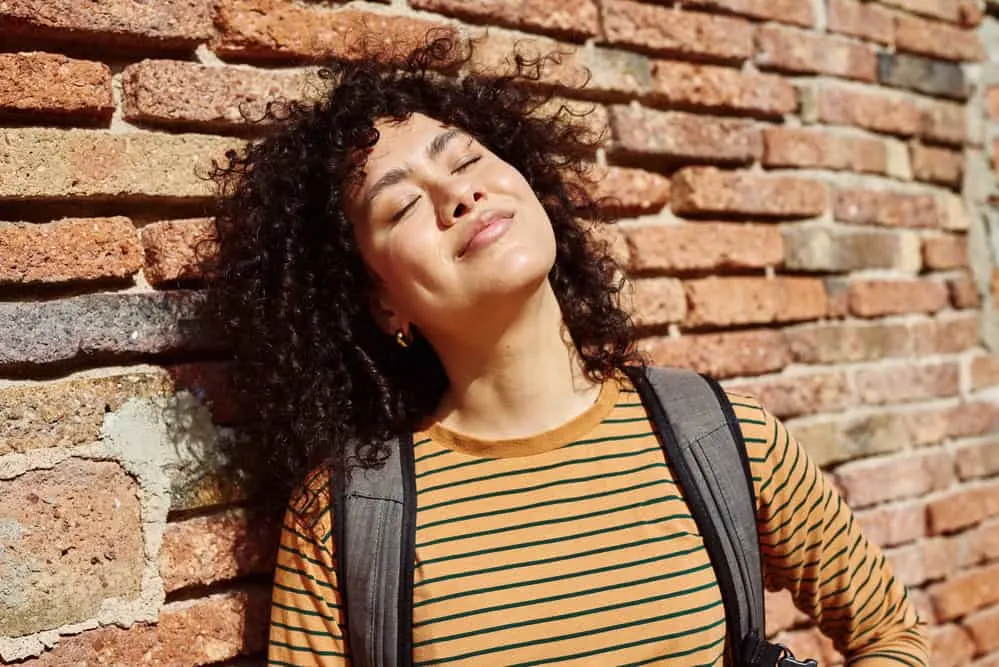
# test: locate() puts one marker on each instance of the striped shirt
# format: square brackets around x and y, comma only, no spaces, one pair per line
[576,546]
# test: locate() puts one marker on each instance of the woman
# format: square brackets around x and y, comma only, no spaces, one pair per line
[407,256]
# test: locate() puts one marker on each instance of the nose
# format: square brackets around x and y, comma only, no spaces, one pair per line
[460,201]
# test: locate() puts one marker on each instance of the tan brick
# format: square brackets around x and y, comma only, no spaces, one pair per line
[623,191]
[887,208]
[836,342]
[844,438]
[676,32]
[950,646]
[47,84]
[992,101]
[805,52]
[659,301]
[797,12]
[945,252]
[963,292]
[496,53]
[937,165]
[721,302]
[781,614]
[983,626]
[123,24]
[806,148]
[714,88]
[807,393]
[69,250]
[90,163]
[835,249]
[677,136]
[207,630]
[877,298]
[905,475]
[703,245]
[183,94]
[72,537]
[279,30]
[965,592]
[978,459]
[707,190]
[971,419]
[936,39]
[895,524]
[901,383]
[942,122]
[723,354]
[861,19]
[218,547]
[950,334]
[984,371]
[178,250]
[870,109]
[577,18]
[963,12]
[926,560]
[962,508]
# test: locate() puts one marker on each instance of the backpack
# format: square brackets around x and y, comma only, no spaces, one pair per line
[375,525]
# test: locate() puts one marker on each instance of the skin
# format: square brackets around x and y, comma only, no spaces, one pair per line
[490,313]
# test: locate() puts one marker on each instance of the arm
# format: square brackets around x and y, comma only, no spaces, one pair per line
[306,613]
[812,547]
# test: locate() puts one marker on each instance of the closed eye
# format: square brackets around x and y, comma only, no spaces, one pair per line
[398,215]
[466,164]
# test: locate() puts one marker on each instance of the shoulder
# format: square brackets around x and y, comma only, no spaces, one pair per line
[311,503]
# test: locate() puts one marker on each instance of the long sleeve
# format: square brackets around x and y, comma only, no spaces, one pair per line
[306,611]
[812,546]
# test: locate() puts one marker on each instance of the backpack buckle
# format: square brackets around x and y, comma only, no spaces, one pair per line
[787,659]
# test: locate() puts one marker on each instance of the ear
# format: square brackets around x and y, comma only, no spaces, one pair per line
[384,314]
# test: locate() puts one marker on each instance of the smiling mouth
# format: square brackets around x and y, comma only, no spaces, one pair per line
[487,229]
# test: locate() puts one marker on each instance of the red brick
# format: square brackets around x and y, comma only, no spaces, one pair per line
[926,560]
[183,94]
[861,19]
[870,109]
[714,88]
[937,165]
[971,419]
[205,631]
[178,250]
[895,524]
[948,334]
[496,54]
[877,298]
[706,190]
[821,149]
[279,30]
[945,252]
[676,32]
[94,164]
[983,626]
[966,592]
[70,250]
[211,384]
[837,249]
[992,101]
[981,543]
[963,12]
[72,538]
[905,475]
[943,122]
[901,383]
[781,614]
[677,136]
[936,39]
[797,12]
[50,85]
[962,508]
[209,549]
[836,342]
[950,646]
[887,208]
[979,459]
[658,301]
[963,292]
[624,191]
[723,354]
[805,52]
[806,393]
[703,245]
[577,18]
[984,371]
[123,24]
[722,302]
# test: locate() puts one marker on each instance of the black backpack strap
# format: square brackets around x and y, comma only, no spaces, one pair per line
[375,537]
[703,443]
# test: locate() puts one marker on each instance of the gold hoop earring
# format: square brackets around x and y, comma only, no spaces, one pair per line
[400,339]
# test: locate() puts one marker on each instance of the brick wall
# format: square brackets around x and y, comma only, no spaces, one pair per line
[806,191]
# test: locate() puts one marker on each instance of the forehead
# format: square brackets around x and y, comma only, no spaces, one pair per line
[400,139]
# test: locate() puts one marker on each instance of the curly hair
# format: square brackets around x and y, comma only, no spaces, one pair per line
[316,380]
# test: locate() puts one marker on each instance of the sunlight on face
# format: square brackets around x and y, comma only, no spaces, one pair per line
[452,231]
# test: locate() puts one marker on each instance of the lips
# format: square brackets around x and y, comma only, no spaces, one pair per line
[488,226]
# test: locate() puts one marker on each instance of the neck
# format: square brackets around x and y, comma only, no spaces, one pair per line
[513,377]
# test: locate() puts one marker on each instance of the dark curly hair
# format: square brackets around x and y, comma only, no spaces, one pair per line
[315,378]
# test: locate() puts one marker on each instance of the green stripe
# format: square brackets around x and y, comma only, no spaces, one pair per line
[305,612]
[896,657]
[625,420]
[306,649]
[301,555]
[427,457]
[710,663]
[318,633]
[308,576]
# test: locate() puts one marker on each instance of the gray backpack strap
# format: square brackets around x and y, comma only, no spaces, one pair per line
[375,538]
[704,445]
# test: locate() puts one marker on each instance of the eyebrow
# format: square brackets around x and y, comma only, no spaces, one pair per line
[398,175]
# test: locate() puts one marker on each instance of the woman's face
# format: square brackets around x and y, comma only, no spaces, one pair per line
[453,233]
